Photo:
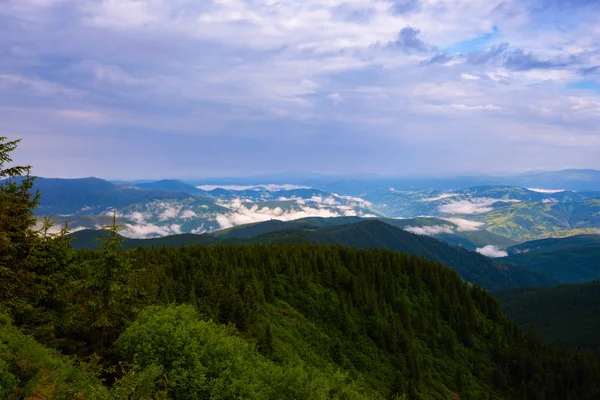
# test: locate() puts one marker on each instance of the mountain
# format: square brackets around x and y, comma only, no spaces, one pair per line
[251,231]
[453,231]
[447,231]
[567,315]
[527,221]
[306,322]
[471,266]
[574,259]
[473,217]
[172,185]
[168,207]
[91,196]
[570,179]
[515,212]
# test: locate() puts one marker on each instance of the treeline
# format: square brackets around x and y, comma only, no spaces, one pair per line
[256,321]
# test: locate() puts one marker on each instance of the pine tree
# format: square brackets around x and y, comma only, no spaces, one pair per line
[110,294]
[17,238]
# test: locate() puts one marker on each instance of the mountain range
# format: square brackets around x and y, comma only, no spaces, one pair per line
[474,217]
[471,266]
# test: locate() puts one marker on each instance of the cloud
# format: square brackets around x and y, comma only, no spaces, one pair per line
[440,197]
[148,230]
[408,39]
[404,6]
[188,214]
[255,78]
[168,211]
[246,215]
[269,187]
[430,230]
[492,251]
[479,205]
[469,77]
[547,191]
[521,60]
[465,225]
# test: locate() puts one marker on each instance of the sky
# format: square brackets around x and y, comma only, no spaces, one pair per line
[140,89]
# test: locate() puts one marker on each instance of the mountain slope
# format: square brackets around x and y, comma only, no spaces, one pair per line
[471,266]
[570,260]
[387,324]
[91,196]
[440,229]
[172,185]
[566,315]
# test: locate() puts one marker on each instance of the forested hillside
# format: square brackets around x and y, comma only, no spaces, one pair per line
[471,266]
[567,315]
[570,260]
[254,321]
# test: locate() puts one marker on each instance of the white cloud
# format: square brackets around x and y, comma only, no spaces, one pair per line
[430,230]
[169,212]
[245,214]
[469,77]
[83,115]
[143,231]
[465,107]
[271,187]
[440,197]
[188,214]
[548,191]
[492,251]
[550,200]
[480,205]
[465,225]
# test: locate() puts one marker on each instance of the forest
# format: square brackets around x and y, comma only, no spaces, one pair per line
[253,321]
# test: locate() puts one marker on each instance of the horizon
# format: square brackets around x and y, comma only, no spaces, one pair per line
[146,89]
[281,176]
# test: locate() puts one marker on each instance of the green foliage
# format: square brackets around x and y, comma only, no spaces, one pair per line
[301,321]
[111,298]
[17,239]
[566,315]
[28,370]
[471,266]
[570,260]
[204,360]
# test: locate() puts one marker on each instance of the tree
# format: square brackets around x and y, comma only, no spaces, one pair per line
[17,237]
[109,293]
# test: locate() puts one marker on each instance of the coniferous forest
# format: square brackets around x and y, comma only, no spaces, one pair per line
[253,322]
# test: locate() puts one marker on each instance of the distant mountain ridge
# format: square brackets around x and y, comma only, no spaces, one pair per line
[505,214]
[574,259]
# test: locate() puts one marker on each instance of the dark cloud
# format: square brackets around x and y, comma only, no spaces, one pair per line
[521,60]
[541,5]
[408,39]
[439,58]
[351,13]
[595,70]
[483,57]
[405,6]
[517,59]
